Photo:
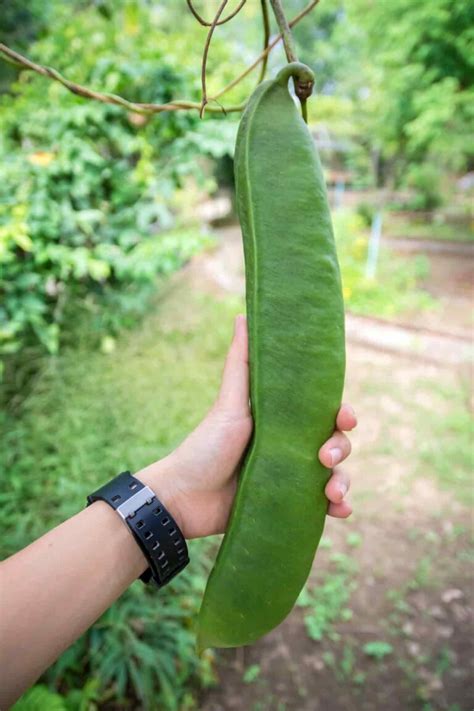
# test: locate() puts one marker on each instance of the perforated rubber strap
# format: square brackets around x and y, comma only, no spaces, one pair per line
[152,526]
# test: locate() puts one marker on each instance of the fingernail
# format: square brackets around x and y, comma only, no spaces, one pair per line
[342,488]
[336,456]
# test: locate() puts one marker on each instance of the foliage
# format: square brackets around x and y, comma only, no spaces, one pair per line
[85,408]
[251,674]
[421,82]
[87,191]
[393,290]
[403,95]
[40,698]
[153,650]
[326,603]
[450,441]
[425,181]
[91,206]
[377,649]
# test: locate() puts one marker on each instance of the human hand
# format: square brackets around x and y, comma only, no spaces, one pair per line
[197,481]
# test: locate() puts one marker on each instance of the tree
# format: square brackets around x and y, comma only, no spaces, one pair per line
[420,73]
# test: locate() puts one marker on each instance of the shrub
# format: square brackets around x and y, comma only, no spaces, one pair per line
[86,190]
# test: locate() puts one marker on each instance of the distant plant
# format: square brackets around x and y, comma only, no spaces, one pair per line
[326,603]
[82,207]
[377,649]
[87,191]
[366,212]
[394,289]
[251,674]
[425,181]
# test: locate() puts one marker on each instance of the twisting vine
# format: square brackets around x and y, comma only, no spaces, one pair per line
[85,92]
[266,39]
[220,22]
[205,55]
[266,51]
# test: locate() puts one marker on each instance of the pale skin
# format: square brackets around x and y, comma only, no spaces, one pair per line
[55,589]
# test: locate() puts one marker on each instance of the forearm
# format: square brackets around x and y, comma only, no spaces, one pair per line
[55,589]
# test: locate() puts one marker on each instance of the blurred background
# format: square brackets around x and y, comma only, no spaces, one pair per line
[121,271]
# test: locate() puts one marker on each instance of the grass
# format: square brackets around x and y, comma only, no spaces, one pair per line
[326,603]
[446,451]
[394,289]
[90,415]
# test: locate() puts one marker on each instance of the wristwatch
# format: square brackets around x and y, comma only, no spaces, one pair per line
[152,526]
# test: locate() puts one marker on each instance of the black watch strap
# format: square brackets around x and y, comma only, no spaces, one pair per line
[152,526]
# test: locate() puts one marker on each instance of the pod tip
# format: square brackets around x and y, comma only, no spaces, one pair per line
[298,70]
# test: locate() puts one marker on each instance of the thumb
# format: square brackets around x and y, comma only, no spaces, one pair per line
[234,392]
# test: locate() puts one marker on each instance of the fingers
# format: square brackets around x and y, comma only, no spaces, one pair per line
[346,418]
[234,392]
[342,510]
[337,486]
[335,450]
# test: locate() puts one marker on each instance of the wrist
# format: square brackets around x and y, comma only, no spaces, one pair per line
[161,478]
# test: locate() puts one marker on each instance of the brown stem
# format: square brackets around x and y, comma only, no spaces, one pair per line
[282,22]
[302,89]
[205,55]
[19,60]
[266,51]
[204,22]
[266,39]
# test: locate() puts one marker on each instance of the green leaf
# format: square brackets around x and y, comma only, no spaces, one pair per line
[40,698]
[377,649]
[251,674]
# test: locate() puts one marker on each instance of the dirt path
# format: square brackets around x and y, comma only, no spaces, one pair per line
[387,621]
[443,336]
[431,246]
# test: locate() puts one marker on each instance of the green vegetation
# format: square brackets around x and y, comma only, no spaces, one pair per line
[89,193]
[395,287]
[251,674]
[446,445]
[325,603]
[97,206]
[377,649]
[85,409]
[402,98]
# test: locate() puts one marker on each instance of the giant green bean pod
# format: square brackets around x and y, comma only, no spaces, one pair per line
[297,359]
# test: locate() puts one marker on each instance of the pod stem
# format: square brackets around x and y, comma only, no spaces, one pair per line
[288,40]
[303,84]
[303,77]
[304,109]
